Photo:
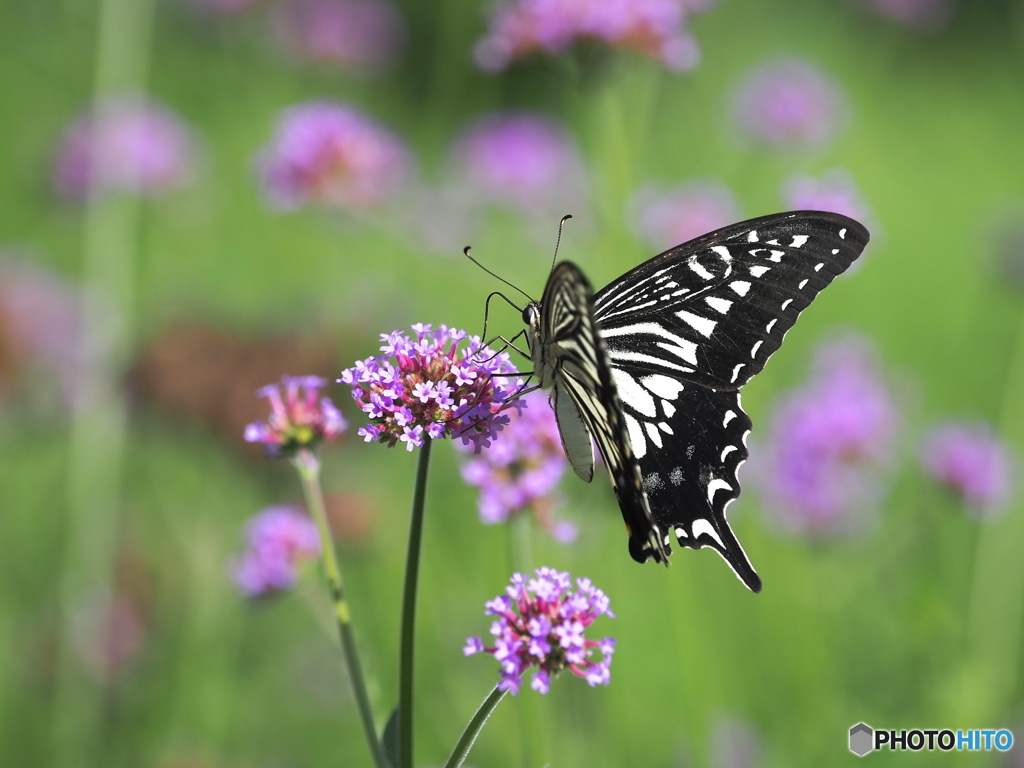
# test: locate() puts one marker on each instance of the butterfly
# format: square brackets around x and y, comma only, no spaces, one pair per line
[651,366]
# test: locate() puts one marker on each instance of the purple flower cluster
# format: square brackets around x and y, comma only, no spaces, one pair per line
[655,28]
[968,458]
[521,159]
[920,15]
[520,471]
[820,471]
[667,217]
[789,103]
[541,623]
[363,35]
[428,387]
[299,417]
[124,145]
[42,349]
[278,539]
[834,191]
[330,153]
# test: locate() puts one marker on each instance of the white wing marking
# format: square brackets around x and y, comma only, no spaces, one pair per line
[718,304]
[697,267]
[633,394]
[740,286]
[663,386]
[636,437]
[701,325]
[702,526]
[653,433]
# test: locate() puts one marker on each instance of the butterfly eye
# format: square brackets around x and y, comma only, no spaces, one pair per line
[528,314]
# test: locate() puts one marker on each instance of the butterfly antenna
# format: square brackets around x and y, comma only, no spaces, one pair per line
[558,240]
[465,251]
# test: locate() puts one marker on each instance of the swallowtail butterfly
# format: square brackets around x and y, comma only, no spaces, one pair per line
[651,367]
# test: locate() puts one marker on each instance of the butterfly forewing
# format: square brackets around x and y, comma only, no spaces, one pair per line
[713,310]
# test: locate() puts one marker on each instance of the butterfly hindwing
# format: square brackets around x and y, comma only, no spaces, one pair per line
[690,442]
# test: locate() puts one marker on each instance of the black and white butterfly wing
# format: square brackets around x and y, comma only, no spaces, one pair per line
[570,360]
[684,331]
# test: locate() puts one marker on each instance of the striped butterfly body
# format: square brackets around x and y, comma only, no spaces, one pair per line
[650,368]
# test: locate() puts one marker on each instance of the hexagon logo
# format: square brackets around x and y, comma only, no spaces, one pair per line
[862,738]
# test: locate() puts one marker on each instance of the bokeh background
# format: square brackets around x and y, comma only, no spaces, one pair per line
[178,226]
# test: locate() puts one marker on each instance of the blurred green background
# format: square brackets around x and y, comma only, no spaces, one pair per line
[142,489]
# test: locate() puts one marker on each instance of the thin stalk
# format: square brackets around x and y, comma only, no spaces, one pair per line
[99,420]
[469,735]
[408,639]
[995,617]
[308,467]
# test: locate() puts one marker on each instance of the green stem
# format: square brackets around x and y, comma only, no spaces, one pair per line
[995,617]
[407,643]
[308,467]
[469,735]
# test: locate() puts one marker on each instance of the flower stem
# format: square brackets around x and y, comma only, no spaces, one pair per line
[407,643]
[308,467]
[474,727]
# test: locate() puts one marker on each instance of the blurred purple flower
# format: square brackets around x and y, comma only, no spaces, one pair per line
[40,331]
[834,191]
[278,539]
[655,28]
[968,458]
[226,7]
[1007,238]
[329,153]
[109,630]
[734,744]
[921,15]
[519,472]
[438,218]
[789,103]
[667,217]
[299,417]
[125,145]
[364,35]
[828,443]
[426,387]
[541,623]
[523,159]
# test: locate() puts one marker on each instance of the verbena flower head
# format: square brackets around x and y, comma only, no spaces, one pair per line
[655,28]
[362,35]
[128,145]
[299,417]
[919,15]
[968,458]
[821,468]
[426,386]
[673,215]
[519,472]
[278,540]
[520,158]
[330,153]
[541,622]
[789,103]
